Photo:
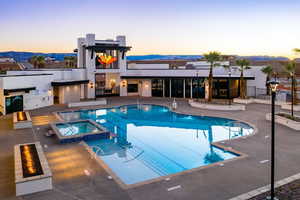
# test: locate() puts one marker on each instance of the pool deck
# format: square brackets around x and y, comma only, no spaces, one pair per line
[77,176]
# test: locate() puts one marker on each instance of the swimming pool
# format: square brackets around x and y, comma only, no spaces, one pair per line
[151,141]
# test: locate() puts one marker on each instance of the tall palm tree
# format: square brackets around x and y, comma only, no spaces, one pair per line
[33,61]
[243,65]
[212,57]
[290,68]
[268,70]
[40,61]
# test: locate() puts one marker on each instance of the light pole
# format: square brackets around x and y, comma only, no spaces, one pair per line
[273,85]
[292,93]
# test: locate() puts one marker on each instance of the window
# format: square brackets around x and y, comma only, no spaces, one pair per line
[132,88]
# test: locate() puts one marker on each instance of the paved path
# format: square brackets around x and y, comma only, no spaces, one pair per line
[69,162]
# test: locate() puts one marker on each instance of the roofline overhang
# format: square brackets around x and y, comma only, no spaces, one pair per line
[65,83]
[26,90]
[194,77]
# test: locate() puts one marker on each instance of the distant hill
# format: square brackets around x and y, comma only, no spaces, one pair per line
[24,56]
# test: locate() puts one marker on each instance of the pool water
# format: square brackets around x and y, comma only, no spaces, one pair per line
[152,141]
[76,128]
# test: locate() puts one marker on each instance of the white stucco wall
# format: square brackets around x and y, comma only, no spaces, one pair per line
[147,66]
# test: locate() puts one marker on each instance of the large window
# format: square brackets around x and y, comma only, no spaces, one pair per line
[177,88]
[187,88]
[133,88]
[14,104]
[167,87]
[157,87]
[198,88]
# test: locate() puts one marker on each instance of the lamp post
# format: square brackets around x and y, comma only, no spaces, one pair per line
[273,85]
[292,93]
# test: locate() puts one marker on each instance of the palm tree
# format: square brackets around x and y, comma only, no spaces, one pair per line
[33,61]
[212,57]
[70,61]
[40,61]
[290,68]
[268,70]
[243,65]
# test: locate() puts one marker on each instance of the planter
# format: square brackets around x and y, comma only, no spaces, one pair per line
[285,121]
[32,172]
[288,107]
[260,101]
[233,107]
[22,120]
[243,101]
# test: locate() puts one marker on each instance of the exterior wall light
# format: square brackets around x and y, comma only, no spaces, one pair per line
[91,85]
[124,83]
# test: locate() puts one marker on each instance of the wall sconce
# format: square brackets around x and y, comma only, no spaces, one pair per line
[91,85]
[49,92]
[146,85]
[124,83]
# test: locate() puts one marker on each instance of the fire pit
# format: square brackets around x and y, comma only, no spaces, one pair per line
[32,172]
[22,120]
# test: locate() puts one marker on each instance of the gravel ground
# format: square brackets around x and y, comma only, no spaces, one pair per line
[289,191]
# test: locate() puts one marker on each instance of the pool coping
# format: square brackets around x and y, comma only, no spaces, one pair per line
[218,144]
[102,130]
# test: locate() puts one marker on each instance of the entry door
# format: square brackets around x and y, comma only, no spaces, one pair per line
[14,104]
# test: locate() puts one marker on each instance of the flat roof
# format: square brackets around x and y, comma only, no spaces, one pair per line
[25,75]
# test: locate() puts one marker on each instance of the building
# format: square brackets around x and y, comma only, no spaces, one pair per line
[7,60]
[102,71]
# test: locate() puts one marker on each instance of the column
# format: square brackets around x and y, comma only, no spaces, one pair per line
[184,88]
[191,88]
[163,87]
[170,88]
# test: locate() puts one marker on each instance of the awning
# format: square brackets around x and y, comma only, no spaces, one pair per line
[68,82]
[26,90]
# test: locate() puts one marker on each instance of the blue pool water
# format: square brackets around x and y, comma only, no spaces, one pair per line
[152,141]
[75,128]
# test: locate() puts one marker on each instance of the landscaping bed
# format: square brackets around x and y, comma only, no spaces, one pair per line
[288,116]
[290,191]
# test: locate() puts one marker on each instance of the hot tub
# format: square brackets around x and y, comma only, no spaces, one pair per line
[78,130]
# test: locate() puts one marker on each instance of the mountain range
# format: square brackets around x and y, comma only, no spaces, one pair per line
[24,56]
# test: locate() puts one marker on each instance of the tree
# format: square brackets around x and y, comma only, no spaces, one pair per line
[33,61]
[212,57]
[70,61]
[243,65]
[268,70]
[290,69]
[40,61]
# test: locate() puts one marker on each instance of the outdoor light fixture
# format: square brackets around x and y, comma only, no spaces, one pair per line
[273,84]
[91,85]
[123,83]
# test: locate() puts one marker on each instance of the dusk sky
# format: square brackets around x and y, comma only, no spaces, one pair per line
[244,27]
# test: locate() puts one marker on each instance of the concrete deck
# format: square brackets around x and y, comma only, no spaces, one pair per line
[77,176]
